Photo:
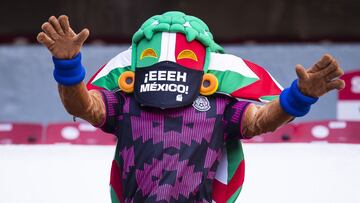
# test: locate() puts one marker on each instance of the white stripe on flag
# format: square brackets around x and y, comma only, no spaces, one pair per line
[275,81]
[168,41]
[121,60]
[172,45]
[164,46]
[222,170]
[223,62]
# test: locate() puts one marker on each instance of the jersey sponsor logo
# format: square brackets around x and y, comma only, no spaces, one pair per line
[201,103]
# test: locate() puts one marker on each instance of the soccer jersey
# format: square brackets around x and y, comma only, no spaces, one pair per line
[168,155]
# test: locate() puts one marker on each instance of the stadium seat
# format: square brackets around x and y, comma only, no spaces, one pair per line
[283,134]
[329,131]
[21,133]
[77,133]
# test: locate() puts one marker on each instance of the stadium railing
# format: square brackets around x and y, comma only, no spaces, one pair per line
[328,131]
[21,133]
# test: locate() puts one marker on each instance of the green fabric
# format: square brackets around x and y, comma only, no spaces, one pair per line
[117,154]
[155,44]
[235,156]
[110,81]
[269,97]
[207,60]
[233,197]
[114,198]
[230,81]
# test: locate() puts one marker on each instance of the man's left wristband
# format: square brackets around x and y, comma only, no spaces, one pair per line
[69,72]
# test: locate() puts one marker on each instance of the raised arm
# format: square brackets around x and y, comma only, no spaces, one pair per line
[64,44]
[296,100]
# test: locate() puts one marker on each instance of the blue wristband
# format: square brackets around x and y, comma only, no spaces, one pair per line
[69,72]
[294,102]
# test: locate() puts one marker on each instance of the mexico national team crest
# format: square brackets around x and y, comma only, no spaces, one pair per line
[201,103]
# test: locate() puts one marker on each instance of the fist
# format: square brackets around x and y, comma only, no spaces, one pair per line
[320,78]
[60,39]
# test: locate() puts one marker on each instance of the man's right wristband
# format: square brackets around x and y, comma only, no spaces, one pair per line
[69,72]
[293,102]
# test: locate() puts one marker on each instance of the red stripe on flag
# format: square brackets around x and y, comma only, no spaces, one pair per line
[115,180]
[219,192]
[195,47]
[236,181]
[265,86]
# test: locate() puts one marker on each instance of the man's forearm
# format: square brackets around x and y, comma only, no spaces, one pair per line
[261,119]
[80,102]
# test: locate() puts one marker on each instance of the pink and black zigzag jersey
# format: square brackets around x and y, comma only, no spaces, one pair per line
[169,155]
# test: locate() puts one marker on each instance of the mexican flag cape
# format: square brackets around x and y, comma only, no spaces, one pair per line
[238,78]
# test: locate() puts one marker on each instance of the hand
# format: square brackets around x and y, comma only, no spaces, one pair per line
[320,78]
[60,39]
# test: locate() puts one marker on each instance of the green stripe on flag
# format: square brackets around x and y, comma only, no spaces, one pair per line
[269,97]
[110,81]
[230,81]
[114,197]
[235,156]
[233,197]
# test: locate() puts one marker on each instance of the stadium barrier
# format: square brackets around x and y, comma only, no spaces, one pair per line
[328,131]
[331,131]
[21,133]
[77,133]
[282,134]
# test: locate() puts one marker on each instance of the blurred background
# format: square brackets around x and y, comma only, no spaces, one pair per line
[276,34]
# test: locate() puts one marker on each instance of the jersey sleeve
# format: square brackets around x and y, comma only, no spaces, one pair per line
[232,119]
[114,102]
